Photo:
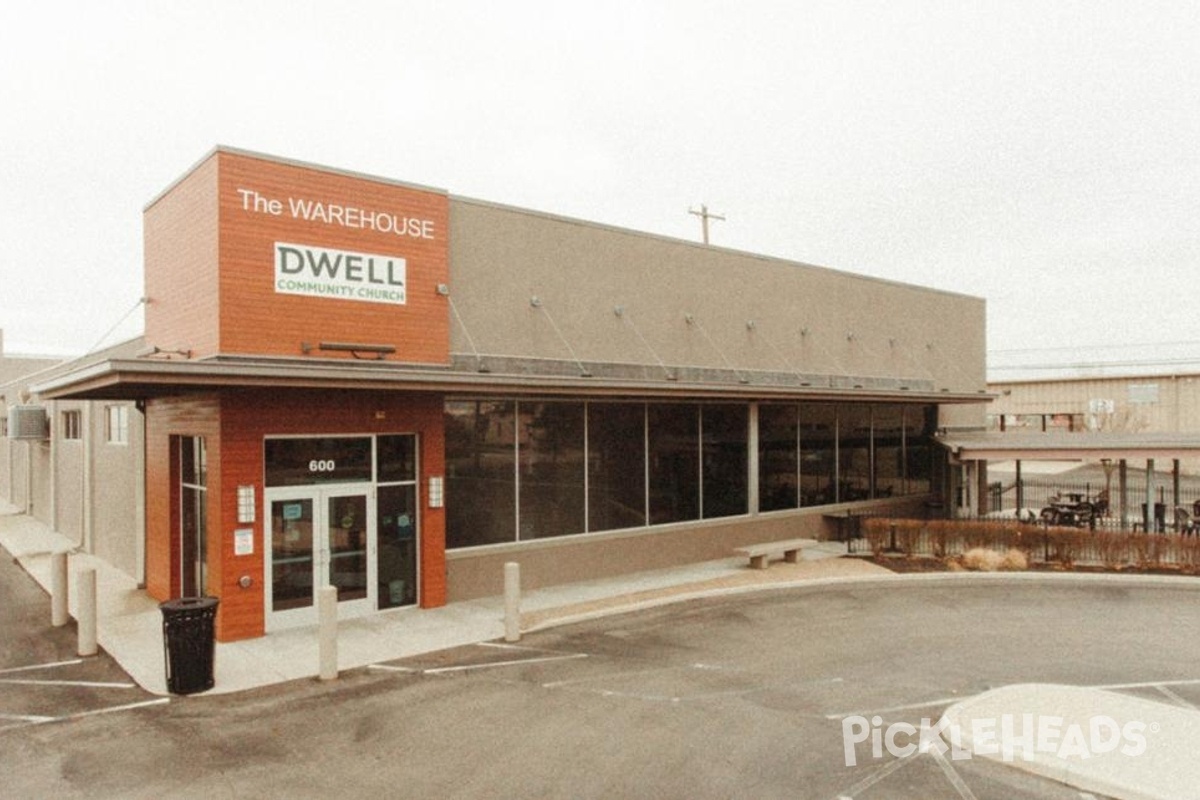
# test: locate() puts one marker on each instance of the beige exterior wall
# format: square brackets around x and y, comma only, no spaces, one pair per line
[87,489]
[805,319]
[116,491]
[479,572]
[66,508]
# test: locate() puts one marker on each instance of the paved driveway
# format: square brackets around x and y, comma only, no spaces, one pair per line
[742,696]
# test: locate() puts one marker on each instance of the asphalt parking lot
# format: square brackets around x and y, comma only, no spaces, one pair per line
[42,680]
[740,696]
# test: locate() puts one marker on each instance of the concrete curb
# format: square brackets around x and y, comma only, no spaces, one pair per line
[680,595]
[1118,745]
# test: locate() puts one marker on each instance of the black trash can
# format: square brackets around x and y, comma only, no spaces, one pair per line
[188,643]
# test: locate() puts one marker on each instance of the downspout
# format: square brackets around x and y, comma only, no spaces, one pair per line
[139,499]
[55,432]
[86,538]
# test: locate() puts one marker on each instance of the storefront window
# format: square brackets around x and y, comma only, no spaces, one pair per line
[550,448]
[673,435]
[517,471]
[919,425]
[396,522]
[724,459]
[818,453]
[616,465]
[888,438]
[480,473]
[314,460]
[397,458]
[778,457]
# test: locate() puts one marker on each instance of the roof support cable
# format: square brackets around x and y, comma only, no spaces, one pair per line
[966,379]
[879,359]
[691,320]
[623,314]
[536,302]
[479,365]
[752,327]
[805,335]
[898,347]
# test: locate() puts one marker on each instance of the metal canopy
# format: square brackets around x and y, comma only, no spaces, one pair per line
[142,378]
[1089,446]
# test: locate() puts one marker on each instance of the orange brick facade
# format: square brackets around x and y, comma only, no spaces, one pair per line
[211,251]
[234,427]
[212,277]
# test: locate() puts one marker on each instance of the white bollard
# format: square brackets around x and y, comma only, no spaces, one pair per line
[85,598]
[327,633]
[512,601]
[59,614]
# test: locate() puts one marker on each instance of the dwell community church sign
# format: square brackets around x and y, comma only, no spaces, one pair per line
[315,271]
[321,272]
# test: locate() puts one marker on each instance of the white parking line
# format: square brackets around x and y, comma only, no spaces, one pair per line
[1175,698]
[945,701]
[25,718]
[1148,684]
[952,775]
[83,684]
[516,662]
[127,707]
[875,777]
[24,721]
[521,647]
[41,666]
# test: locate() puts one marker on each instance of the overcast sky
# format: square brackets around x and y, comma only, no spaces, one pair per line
[1042,155]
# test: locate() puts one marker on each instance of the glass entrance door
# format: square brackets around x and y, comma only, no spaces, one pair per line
[319,537]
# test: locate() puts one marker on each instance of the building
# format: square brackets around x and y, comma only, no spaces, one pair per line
[1162,403]
[1146,417]
[351,381]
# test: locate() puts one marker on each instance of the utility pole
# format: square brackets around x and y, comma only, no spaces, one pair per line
[704,218]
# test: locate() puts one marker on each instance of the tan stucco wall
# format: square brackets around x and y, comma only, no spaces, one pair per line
[806,319]
[479,572]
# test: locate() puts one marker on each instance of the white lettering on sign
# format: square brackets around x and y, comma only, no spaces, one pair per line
[321,272]
[336,214]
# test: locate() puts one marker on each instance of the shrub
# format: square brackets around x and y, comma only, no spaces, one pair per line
[982,559]
[1014,560]
[877,531]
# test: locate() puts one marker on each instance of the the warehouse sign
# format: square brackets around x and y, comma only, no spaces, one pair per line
[321,272]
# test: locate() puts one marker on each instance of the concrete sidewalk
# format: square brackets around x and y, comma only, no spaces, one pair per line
[130,623]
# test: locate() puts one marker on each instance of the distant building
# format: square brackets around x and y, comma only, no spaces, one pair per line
[1150,404]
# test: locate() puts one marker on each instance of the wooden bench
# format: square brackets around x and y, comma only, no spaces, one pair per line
[759,553]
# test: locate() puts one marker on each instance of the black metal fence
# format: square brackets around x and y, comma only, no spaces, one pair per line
[1094,502]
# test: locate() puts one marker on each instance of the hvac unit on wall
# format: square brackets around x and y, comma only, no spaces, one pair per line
[28,422]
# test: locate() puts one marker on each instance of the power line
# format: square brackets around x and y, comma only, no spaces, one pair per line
[1126,346]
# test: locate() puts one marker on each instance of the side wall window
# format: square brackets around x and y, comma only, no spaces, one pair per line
[116,424]
[72,425]
[193,515]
